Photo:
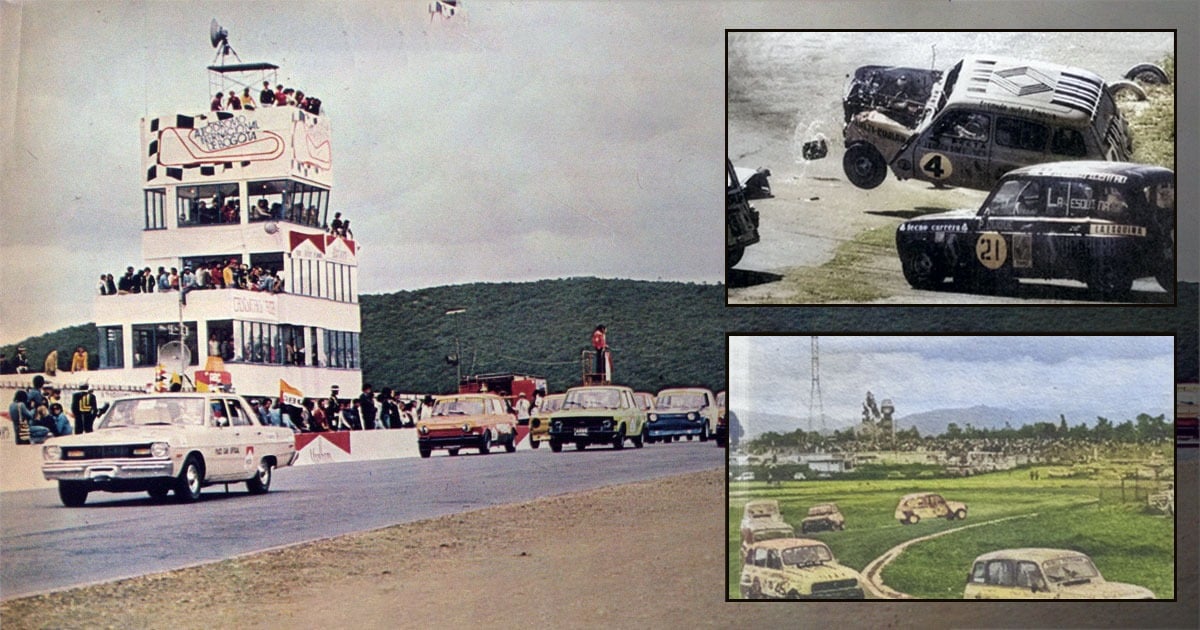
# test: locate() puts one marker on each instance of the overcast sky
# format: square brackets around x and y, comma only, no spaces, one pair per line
[516,141]
[1117,377]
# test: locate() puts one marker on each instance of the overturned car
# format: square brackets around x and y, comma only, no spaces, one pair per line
[972,124]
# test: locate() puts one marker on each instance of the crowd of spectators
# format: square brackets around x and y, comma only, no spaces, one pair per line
[279,97]
[37,413]
[201,212]
[385,409]
[231,274]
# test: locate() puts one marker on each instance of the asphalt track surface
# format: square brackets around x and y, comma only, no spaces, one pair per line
[49,547]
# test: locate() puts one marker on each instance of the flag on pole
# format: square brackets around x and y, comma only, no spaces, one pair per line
[290,395]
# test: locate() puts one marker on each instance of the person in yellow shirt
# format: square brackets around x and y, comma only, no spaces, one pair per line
[79,360]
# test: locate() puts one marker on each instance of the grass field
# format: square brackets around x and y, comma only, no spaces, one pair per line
[1127,543]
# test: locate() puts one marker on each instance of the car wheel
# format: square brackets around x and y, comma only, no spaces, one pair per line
[260,483]
[689,438]
[639,439]
[534,443]
[425,453]
[1166,272]
[1109,281]
[72,493]
[960,515]
[510,446]
[555,445]
[793,594]
[913,519]
[189,481]
[1126,90]
[453,452]
[485,442]
[733,256]
[579,446]
[803,528]
[704,433]
[864,166]
[722,441]
[618,442]
[921,268]
[1147,73]
[158,493]
[755,590]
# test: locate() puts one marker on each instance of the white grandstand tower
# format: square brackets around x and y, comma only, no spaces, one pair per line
[251,187]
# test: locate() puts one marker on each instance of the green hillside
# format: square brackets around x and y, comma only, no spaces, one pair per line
[662,333]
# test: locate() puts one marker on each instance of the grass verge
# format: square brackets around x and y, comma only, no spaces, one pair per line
[849,276]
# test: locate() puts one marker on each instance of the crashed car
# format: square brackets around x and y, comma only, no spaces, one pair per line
[682,412]
[914,507]
[1036,573]
[755,181]
[162,443]
[822,517]
[969,126]
[761,521]
[467,421]
[796,568]
[741,219]
[598,414]
[1102,223]
[539,419]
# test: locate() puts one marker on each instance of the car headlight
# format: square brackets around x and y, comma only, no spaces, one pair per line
[535,423]
[557,425]
[606,425]
[691,416]
[160,449]
[51,453]
[466,427]
[652,417]
[423,429]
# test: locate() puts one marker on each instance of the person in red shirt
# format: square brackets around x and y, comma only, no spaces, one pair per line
[601,345]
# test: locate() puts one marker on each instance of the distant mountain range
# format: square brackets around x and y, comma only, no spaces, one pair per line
[928,422]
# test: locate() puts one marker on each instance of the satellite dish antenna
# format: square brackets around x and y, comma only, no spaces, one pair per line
[219,37]
[216,34]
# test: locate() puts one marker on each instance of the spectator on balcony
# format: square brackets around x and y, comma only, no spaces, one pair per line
[234,101]
[367,408]
[148,281]
[216,102]
[247,100]
[20,362]
[163,280]
[50,366]
[280,96]
[173,279]
[267,96]
[102,285]
[335,226]
[79,360]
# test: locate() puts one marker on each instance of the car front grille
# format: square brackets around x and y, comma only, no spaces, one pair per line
[107,451]
[834,585]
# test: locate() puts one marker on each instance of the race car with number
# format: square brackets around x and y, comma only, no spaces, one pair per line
[159,443]
[1101,223]
[970,125]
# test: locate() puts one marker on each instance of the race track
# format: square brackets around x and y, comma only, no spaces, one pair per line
[49,547]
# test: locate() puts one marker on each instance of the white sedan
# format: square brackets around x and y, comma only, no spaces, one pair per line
[159,443]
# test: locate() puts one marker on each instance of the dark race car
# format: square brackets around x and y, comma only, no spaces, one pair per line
[1102,223]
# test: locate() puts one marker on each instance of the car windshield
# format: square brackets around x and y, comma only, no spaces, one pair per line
[806,555]
[551,403]
[459,407]
[680,400]
[154,411]
[1070,569]
[592,399]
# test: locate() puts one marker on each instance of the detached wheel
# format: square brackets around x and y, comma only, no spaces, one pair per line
[1148,73]
[189,481]
[733,256]
[260,483]
[1127,90]
[555,445]
[72,493]
[921,268]
[864,166]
